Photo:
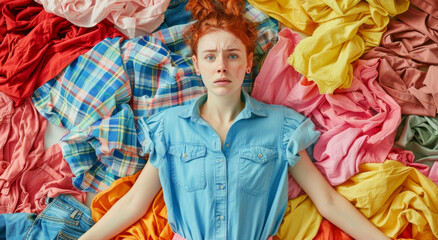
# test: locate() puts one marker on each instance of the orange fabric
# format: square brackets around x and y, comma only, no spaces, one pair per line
[328,231]
[153,225]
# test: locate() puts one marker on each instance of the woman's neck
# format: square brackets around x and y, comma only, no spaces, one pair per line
[222,110]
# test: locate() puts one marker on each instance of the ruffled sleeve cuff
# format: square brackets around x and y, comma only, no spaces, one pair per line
[299,134]
[150,134]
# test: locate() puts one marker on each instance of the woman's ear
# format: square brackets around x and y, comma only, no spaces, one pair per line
[249,64]
[195,63]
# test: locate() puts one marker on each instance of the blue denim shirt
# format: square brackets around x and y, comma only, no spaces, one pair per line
[237,190]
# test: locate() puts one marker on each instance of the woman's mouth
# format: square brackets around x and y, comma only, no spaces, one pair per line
[222,82]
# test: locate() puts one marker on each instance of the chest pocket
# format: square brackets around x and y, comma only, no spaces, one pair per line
[187,166]
[255,168]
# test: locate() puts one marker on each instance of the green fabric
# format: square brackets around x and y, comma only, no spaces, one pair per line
[419,134]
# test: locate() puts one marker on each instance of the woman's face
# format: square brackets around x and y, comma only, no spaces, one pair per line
[222,61]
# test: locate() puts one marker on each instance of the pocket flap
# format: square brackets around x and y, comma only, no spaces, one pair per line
[258,154]
[187,152]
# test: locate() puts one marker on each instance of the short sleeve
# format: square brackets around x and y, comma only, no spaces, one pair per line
[299,134]
[150,134]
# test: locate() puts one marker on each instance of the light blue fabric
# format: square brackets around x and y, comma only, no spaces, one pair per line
[237,190]
[63,218]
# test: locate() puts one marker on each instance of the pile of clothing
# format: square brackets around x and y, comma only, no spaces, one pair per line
[362,71]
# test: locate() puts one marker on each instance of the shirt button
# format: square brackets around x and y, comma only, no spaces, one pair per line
[4,165]
[185,155]
[260,155]
[227,145]
[221,160]
[221,217]
[222,186]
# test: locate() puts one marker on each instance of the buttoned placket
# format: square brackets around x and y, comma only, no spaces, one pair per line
[221,190]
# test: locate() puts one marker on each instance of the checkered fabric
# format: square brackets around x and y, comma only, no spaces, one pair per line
[99,97]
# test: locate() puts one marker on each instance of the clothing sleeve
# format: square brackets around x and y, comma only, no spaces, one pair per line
[299,134]
[150,134]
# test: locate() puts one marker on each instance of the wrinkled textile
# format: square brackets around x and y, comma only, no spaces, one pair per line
[407,158]
[28,173]
[346,29]
[419,134]
[301,220]
[204,199]
[35,46]
[135,18]
[153,225]
[398,199]
[357,125]
[175,14]
[63,218]
[392,195]
[178,237]
[99,97]
[288,12]
[328,231]
[410,66]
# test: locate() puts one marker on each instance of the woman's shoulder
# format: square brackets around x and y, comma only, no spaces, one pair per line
[275,109]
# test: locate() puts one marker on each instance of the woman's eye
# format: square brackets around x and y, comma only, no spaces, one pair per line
[209,58]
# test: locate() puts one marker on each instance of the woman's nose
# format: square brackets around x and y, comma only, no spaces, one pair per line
[221,65]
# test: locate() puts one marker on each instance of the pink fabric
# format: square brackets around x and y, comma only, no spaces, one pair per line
[407,158]
[28,173]
[357,125]
[134,18]
[409,48]
[179,237]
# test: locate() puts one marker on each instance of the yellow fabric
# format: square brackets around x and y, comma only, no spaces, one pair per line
[284,11]
[390,194]
[393,195]
[301,220]
[346,29]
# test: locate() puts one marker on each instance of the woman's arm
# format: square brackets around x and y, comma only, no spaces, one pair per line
[128,209]
[333,206]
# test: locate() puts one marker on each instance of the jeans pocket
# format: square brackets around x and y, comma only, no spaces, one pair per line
[256,164]
[187,166]
[65,236]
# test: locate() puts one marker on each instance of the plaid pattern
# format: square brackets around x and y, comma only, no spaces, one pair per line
[99,97]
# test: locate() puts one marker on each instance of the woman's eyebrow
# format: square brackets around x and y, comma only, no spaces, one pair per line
[226,50]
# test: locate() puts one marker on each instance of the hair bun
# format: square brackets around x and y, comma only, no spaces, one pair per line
[202,8]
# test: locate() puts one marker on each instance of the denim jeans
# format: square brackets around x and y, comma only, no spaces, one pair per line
[63,218]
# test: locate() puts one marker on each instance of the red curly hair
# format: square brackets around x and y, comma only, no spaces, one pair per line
[213,15]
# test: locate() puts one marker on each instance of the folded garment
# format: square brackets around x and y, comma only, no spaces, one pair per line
[28,173]
[135,18]
[35,46]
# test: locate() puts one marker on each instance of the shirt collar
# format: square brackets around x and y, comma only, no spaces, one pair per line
[252,107]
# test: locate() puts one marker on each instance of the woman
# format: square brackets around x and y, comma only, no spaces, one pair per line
[223,161]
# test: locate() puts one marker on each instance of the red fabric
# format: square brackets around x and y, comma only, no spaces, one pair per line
[29,173]
[328,231]
[35,46]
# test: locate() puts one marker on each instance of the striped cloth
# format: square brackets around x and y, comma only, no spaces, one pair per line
[99,97]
